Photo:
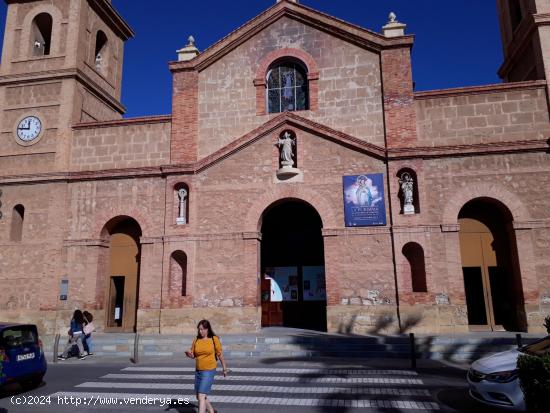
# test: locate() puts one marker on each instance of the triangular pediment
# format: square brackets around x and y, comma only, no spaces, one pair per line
[286,119]
[352,33]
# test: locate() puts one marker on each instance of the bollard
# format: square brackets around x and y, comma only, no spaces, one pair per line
[518,340]
[135,359]
[56,347]
[413,351]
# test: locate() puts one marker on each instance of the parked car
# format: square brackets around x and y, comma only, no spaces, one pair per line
[21,355]
[494,380]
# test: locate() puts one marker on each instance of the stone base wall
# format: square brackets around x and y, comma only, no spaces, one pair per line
[362,319]
[346,319]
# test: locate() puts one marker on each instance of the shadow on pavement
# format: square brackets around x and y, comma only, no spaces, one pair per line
[179,408]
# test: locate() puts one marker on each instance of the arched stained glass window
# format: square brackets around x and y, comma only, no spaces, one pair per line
[287,88]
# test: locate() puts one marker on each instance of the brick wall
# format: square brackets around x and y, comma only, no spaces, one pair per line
[486,114]
[124,146]
[37,259]
[398,97]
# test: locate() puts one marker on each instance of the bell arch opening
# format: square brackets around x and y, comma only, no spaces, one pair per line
[492,279]
[293,292]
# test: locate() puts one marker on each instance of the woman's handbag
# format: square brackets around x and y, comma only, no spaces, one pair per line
[89,328]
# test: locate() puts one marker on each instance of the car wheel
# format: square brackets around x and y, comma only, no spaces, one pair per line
[34,382]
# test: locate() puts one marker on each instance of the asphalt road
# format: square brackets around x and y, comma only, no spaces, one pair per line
[254,385]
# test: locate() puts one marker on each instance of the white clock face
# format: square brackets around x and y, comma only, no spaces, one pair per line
[29,128]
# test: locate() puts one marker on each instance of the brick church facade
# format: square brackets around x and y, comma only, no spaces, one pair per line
[299,180]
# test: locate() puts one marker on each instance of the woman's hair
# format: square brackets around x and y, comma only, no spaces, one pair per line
[205,324]
[88,316]
[78,317]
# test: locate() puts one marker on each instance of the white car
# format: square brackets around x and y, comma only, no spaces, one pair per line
[494,380]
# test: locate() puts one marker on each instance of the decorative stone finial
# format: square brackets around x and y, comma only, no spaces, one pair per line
[189,51]
[393,28]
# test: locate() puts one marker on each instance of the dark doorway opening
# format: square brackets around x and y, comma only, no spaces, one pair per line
[492,279]
[293,276]
[116,301]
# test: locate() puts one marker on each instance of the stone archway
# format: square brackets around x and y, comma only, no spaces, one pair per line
[293,267]
[489,257]
[120,275]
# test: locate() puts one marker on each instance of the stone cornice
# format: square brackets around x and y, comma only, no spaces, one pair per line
[284,119]
[536,145]
[60,74]
[474,90]
[110,16]
[321,21]
[144,120]
[351,231]
[107,12]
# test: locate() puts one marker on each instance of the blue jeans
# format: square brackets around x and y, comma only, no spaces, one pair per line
[88,343]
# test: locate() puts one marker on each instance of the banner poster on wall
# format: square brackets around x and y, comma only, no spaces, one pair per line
[364,200]
[284,283]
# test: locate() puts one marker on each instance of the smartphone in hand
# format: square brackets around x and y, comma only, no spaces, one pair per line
[190,354]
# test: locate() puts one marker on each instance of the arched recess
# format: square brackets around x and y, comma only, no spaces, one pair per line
[102,55]
[254,217]
[490,265]
[26,48]
[41,40]
[460,196]
[17,220]
[118,278]
[415,189]
[286,54]
[178,274]
[293,288]
[181,196]
[414,254]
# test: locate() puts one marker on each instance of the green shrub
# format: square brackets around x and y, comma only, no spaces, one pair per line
[547,324]
[534,377]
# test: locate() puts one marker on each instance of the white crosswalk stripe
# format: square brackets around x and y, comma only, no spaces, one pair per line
[399,390]
[265,389]
[342,380]
[286,371]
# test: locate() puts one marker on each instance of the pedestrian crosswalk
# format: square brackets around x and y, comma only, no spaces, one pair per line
[351,388]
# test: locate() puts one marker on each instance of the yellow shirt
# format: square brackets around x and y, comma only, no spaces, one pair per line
[203,349]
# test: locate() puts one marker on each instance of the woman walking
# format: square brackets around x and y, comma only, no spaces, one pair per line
[206,350]
[88,329]
[76,335]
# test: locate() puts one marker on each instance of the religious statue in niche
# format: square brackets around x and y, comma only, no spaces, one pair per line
[407,189]
[285,144]
[287,154]
[98,60]
[182,210]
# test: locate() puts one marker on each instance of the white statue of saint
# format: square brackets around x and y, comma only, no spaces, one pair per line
[407,183]
[286,144]
[182,212]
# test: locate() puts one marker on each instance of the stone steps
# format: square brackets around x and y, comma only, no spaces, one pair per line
[452,348]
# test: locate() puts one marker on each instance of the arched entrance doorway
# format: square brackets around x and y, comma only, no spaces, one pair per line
[492,280]
[122,274]
[293,267]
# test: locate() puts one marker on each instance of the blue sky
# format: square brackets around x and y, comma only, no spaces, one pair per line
[456,43]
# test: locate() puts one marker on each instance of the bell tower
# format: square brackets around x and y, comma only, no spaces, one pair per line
[61,65]
[525,33]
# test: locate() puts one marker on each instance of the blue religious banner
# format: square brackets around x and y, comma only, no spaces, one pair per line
[364,200]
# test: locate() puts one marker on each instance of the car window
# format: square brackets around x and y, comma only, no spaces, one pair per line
[539,348]
[18,336]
